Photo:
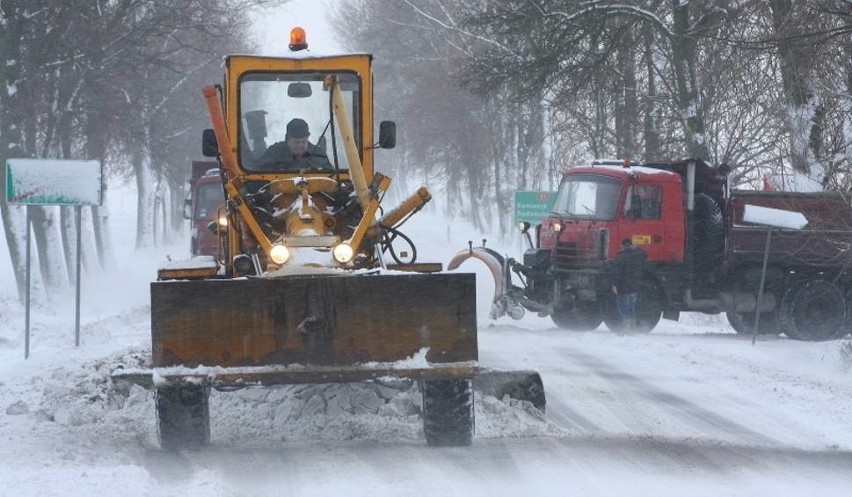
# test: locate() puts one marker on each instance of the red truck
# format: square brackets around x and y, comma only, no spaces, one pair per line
[203,201]
[710,249]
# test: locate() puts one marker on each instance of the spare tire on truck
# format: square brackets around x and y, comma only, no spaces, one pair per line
[813,310]
[708,236]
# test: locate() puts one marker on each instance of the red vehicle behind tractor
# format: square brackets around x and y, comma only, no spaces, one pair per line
[775,262]
[203,203]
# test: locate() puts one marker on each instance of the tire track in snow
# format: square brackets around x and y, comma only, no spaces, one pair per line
[693,415]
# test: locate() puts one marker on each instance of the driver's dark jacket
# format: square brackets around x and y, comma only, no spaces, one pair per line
[626,270]
[278,158]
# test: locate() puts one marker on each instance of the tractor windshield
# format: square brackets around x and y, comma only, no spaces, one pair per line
[269,102]
[586,196]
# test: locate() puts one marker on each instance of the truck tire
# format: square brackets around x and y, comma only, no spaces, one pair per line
[448,412]
[585,317]
[649,309]
[743,323]
[813,310]
[183,417]
[708,237]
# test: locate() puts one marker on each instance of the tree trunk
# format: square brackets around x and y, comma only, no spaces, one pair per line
[11,138]
[802,102]
[626,106]
[68,232]
[846,103]
[144,197]
[650,128]
[46,235]
[101,229]
[95,147]
[67,219]
[688,97]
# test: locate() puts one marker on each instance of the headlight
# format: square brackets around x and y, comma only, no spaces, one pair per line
[223,221]
[279,254]
[343,253]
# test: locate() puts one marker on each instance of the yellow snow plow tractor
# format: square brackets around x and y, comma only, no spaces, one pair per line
[307,287]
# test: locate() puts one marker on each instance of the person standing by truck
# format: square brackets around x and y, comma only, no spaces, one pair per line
[626,275]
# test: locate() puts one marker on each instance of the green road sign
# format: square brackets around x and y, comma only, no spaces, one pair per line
[533,207]
[53,182]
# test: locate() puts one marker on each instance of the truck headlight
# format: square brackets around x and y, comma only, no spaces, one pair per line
[279,254]
[343,253]
[223,221]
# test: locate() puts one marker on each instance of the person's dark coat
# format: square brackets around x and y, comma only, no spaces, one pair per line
[278,158]
[626,269]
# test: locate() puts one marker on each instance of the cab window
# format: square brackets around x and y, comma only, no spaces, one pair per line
[269,100]
[643,202]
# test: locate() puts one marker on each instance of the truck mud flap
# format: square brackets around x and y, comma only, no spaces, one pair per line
[313,327]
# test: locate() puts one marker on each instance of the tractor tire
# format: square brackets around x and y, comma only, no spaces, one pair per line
[743,323]
[183,417]
[584,317]
[448,419]
[814,311]
[847,324]
[649,310]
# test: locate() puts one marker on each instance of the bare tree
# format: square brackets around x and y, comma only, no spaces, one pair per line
[99,80]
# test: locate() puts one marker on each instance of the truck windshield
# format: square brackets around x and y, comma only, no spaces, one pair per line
[587,196]
[210,198]
[269,101]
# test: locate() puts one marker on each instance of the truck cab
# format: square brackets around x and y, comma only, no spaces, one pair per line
[598,206]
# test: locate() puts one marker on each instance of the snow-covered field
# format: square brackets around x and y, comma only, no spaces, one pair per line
[691,409]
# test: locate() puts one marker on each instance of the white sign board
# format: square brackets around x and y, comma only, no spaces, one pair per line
[778,218]
[53,182]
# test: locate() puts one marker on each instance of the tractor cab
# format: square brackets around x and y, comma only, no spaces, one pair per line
[294,136]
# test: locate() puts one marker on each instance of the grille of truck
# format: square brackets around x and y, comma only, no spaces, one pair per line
[566,255]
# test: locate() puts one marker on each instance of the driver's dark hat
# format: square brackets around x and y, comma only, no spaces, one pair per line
[297,128]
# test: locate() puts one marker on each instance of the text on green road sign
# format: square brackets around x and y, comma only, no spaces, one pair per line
[533,207]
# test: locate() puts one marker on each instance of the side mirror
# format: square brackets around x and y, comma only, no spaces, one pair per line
[524,226]
[387,134]
[209,146]
[299,90]
[187,209]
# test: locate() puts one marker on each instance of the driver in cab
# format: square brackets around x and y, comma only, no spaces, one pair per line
[295,153]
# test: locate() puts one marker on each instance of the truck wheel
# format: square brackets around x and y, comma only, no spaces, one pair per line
[582,318]
[183,417]
[743,323]
[649,310]
[448,412]
[813,310]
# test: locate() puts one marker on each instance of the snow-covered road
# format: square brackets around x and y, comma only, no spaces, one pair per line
[690,408]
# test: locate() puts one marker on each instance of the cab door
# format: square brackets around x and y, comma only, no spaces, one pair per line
[644,219]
